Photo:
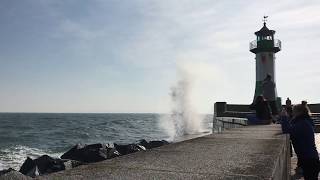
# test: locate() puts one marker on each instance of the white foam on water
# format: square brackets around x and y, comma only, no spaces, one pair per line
[14,157]
[3,166]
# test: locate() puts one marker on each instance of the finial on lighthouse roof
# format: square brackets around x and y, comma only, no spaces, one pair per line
[264,31]
[264,20]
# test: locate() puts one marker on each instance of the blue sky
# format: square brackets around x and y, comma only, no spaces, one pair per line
[124,56]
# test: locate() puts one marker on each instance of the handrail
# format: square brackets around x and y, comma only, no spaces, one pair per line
[254,44]
[315,117]
[277,43]
[221,123]
[228,122]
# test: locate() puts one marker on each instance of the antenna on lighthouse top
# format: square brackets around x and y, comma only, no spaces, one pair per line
[264,20]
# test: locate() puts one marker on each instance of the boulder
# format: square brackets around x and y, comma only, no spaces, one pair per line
[129,148]
[75,153]
[33,172]
[144,143]
[152,144]
[90,153]
[47,164]
[112,153]
[42,165]
[29,168]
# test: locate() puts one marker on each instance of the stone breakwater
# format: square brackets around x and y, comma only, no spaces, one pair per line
[76,156]
[251,152]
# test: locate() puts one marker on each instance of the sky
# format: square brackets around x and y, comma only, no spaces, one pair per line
[125,56]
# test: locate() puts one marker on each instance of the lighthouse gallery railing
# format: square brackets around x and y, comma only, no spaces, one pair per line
[253,44]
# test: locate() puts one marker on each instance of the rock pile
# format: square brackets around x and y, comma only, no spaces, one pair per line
[77,155]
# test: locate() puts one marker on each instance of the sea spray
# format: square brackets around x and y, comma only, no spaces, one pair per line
[183,119]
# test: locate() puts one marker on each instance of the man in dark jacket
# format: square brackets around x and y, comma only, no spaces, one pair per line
[303,141]
[269,93]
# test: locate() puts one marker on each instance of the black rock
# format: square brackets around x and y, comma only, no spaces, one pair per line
[28,167]
[74,153]
[129,148]
[152,144]
[42,165]
[112,153]
[47,164]
[144,143]
[95,146]
[34,171]
[89,153]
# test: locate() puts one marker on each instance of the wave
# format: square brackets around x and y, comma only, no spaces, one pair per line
[2,165]
[13,157]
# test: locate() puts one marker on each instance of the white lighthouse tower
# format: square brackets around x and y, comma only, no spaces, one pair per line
[265,47]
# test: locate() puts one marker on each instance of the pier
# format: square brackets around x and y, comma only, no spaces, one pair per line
[235,151]
[250,152]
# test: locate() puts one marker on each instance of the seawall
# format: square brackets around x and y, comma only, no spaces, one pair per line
[251,152]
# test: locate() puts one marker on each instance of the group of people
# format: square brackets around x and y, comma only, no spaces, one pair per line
[295,120]
[300,126]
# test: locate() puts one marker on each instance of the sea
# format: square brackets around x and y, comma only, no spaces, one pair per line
[36,134]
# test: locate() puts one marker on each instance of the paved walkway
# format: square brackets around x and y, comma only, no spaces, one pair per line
[253,152]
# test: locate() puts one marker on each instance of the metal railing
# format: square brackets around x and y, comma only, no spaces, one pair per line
[277,43]
[254,44]
[222,123]
[316,118]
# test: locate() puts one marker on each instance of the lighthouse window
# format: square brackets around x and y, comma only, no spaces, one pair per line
[259,38]
[264,38]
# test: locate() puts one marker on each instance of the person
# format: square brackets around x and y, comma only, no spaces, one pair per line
[305,103]
[269,93]
[302,137]
[262,110]
[288,107]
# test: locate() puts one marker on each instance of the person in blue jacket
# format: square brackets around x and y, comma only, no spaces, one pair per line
[301,133]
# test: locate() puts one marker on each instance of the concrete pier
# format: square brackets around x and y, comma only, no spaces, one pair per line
[252,152]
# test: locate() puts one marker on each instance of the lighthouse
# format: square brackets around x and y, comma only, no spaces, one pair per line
[265,47]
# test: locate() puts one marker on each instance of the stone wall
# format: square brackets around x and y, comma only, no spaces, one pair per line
[314,108]
[241,110]
[222,109]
